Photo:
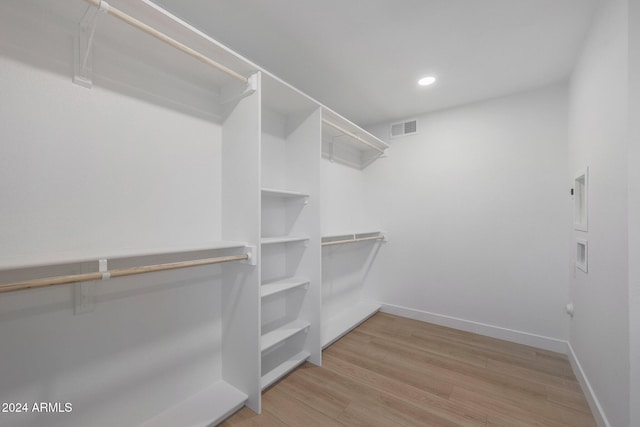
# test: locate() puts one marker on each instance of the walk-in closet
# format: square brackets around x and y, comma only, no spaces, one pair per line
[234,213]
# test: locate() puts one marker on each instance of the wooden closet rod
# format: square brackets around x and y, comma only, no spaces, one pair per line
[352,135]
[88,277]
[106,7]
[361,239]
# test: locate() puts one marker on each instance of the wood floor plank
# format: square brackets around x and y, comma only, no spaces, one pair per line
[245,417]
[425,365]
[418,377]
[393,371]
[305,387]
[533,412]
[443,407]
[571,398]
[293,411]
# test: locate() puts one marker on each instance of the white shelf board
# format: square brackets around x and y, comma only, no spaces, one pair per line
[276,286]
[208,407]
[283,369]
[350,234]
[275,337]
[283,239]
[353,129]
[283,193]
[68,257]
[339,325]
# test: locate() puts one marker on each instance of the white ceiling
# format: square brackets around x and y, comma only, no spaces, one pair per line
[362,58]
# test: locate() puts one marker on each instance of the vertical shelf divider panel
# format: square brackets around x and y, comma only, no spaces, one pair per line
[240,220]
[290,229]
[304,168]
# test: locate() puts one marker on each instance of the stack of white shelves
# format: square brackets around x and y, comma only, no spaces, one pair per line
[290,242]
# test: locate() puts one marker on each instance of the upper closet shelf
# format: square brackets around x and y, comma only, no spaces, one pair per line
[339,239]
[187,57]
[284,239]
[77,257]
[105,272]
[191,59]
[285,194]
[346,143]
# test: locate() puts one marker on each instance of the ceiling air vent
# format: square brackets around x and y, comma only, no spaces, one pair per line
[404,128]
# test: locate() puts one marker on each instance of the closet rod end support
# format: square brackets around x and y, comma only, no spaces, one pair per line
[252,254]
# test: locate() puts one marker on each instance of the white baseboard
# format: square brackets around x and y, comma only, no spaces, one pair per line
[526,338]
[533,340]
[594,403]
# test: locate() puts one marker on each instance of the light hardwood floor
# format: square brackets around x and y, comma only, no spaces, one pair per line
[392,371]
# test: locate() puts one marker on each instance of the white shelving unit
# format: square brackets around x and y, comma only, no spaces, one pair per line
[290,244]
[346,143]
[249,152]
[155,128]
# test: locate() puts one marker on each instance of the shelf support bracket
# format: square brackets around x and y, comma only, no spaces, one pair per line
[332,157]
[84,293]
[231,93]
[83,46]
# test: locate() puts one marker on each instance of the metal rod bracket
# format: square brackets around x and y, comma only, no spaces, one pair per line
[83,48]
[84,294]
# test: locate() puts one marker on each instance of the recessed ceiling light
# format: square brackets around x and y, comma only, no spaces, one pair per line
[426,81]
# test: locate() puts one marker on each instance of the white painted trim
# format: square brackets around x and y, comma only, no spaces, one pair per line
[526,338]
[594,403]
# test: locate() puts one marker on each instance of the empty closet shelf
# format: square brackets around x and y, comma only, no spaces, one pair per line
[92,255]
[283,369]
[208,407]
[283,239]
[104,273]
[283,285]
[279,335]
[285,194]
[338,325]
[352,238]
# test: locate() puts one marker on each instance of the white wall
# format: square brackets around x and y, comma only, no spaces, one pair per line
[89,172]
[476,206]
[343,207]
[598,139]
